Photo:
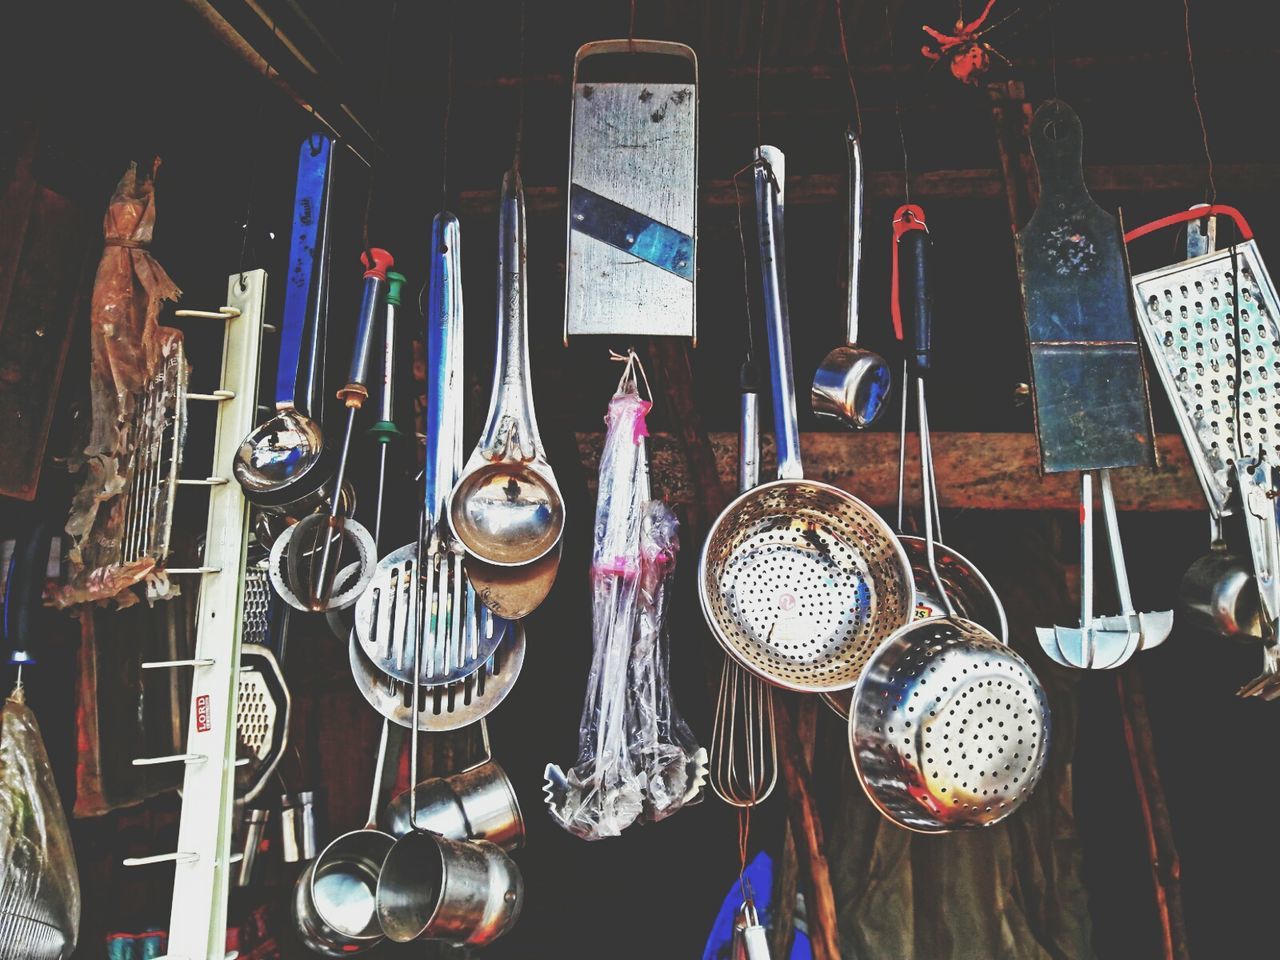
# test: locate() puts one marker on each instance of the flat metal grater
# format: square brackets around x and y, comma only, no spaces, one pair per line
[1187,315]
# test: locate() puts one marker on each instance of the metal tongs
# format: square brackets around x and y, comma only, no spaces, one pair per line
[1257,482]
[1103,643]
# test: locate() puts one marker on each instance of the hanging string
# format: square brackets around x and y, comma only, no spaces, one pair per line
[744,833]
[746,265]
[848,67]
[377,132]
[448,109]
[759,70]
[1053,47]
[631,29]
[253,170]
[516,154]
[897,102]
[1195,99]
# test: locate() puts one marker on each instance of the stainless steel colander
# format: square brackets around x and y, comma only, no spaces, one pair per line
[948,728]
[799,580]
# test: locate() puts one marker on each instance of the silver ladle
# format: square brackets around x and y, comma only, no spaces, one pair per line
[852,384]
[506,508]
[284,462]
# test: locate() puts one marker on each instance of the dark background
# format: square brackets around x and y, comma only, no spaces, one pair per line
[110,82]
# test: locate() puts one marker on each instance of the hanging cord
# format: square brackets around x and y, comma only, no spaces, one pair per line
[848,67]
[744,834]
[1053,47]
[633,372]
[377,131]
[519,147]
[759,70]
[897,102]
[448,109]
[631,29]
[252,179]
[1212,190]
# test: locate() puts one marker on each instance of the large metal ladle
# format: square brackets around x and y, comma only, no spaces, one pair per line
[285,461]
[852,384]
[506,507]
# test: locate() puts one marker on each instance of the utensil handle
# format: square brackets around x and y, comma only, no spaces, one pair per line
[511,429]
[375,284]
[385,428]
[749,441]
[855,233]
[912,298]
[444,310]
[1195,213]
[312,389]
[309,210]
[770,175]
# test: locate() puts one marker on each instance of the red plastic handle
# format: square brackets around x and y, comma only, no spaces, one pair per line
[909,216]
[382,262]
[1195,213]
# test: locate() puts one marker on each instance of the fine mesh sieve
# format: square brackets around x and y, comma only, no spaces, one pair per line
[799,581]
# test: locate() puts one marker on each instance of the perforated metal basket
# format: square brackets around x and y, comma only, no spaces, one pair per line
[949,728]
[801,582]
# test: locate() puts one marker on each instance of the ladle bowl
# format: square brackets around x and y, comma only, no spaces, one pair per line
[851,385]
[283,461]
[507,513]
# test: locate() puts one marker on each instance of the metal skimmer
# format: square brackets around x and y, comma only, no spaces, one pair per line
[799,580]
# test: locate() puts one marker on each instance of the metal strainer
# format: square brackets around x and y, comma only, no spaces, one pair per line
[799,580]
[949,728]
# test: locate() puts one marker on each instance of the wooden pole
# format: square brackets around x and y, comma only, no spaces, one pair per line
[1166,867]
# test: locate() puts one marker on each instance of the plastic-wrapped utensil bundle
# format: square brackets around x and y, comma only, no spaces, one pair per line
[637,760]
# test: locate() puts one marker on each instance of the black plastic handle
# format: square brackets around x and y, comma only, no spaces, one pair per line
[916,296]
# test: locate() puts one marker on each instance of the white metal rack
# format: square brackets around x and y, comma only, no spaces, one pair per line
[198,916]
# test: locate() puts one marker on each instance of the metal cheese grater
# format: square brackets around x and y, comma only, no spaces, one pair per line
[633,190]
[1187,315]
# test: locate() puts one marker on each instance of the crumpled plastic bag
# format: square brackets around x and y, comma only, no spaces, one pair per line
[637,759]
[39,884]
[128,347]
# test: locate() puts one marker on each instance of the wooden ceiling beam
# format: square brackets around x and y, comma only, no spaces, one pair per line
[979,471]
[828,188]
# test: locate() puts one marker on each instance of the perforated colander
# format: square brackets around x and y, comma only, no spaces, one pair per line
[801,582]
[950,728]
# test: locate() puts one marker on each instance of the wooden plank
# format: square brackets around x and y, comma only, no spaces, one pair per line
[820,189]
[979,471]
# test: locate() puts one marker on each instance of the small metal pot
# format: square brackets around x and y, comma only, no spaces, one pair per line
[1219,594]
[477,804]
[434,888]
[334,899]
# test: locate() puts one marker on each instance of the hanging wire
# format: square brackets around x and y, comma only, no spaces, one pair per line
[744,835]
[897,102]
[1212,190]
[848,67]
[251,181]
[377,131]
[631,29]
[759,70]
[1053,47]
[746,264]
[519,147]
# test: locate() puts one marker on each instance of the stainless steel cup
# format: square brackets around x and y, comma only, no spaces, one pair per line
[434,888]
[477,804]
[335,897]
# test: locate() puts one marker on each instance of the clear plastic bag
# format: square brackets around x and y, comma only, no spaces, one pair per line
[632,759]
[39,884]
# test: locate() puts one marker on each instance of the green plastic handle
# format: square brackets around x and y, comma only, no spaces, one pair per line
[395,281]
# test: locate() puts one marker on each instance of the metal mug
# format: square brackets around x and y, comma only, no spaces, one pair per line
[298,832]
[434,888]
[476,804]
[1219,594]
[334,898]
